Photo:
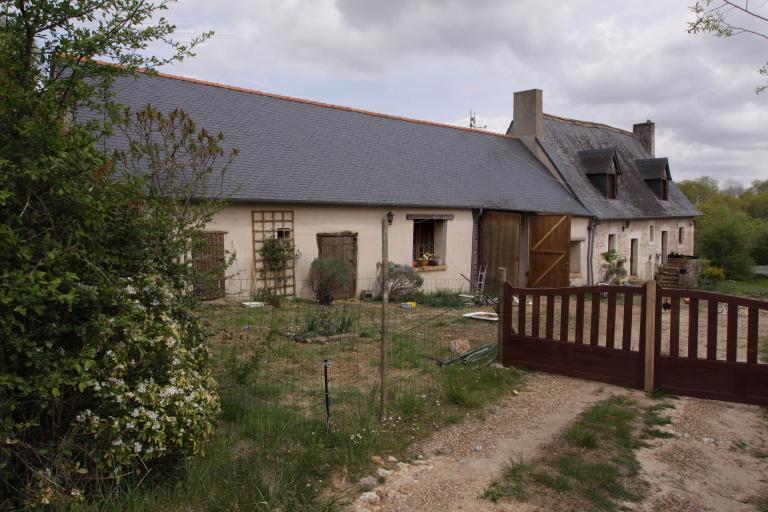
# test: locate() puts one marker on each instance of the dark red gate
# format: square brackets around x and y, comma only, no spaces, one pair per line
[599,333]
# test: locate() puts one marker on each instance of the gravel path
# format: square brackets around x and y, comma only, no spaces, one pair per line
[460,461]
[717,461]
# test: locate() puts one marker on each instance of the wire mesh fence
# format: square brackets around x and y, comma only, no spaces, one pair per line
[291,358]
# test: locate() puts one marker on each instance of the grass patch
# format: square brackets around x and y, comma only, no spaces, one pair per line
[592,467]
[328,321]
[654,419]
[754,286]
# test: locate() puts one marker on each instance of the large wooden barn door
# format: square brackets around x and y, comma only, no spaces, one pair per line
[499,246]
[550,238]
[342,247]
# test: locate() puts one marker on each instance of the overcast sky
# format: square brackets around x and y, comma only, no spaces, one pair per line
[611,62]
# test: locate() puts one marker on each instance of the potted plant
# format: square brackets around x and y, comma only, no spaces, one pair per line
[425,259]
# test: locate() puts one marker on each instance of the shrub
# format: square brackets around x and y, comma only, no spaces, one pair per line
[723,236]
[709,273]
[326,276]
[403,280]
[614,267]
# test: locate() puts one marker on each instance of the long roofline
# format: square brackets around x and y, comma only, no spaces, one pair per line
[589,124]
[310,102]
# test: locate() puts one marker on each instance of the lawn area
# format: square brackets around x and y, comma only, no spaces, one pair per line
[271,449]
[756,286]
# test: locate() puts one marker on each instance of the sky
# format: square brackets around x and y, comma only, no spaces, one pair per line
[617,63]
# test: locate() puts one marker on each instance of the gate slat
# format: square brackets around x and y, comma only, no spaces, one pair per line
[626,342]
[610,332]
[752,335]
[712,330]
[594,324]
[693,329]
[674,328]
[521,314]
[536,314]
[580,318]
[550,317]
[565,313]
[732,332]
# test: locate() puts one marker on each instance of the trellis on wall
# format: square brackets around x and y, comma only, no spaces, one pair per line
[272,224]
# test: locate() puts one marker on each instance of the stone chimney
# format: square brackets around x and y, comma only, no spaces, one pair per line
[528,116]
[646,132]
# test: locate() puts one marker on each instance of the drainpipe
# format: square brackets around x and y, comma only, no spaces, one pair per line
[593,222]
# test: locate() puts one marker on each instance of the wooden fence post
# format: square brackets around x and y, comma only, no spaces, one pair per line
[501,314]
[650,335]
[384,304]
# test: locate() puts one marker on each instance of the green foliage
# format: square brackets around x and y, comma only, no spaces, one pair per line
[103,371]
[723,236]
[277,253]
[437,299]
[613,265]
[326,276]
[328,321]
[760,242]
[710,273]
[700,190]
[403,280]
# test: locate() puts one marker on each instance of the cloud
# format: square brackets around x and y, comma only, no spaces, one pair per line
[617,63]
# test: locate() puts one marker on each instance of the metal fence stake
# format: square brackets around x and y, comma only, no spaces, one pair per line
[326,365]
[384,303]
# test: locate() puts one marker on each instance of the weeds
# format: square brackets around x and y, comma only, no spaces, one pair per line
[328,321]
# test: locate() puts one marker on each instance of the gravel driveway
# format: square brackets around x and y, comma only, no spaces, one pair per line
[716,462]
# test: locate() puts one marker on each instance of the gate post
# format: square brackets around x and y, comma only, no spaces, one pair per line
[650,335]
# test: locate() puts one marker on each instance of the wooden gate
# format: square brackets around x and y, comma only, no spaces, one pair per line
[208,260]
[599,333]
[342,247]
[499,245]
[559,331]
[550,239]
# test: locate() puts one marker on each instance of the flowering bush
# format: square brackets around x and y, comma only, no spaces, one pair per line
[133,394]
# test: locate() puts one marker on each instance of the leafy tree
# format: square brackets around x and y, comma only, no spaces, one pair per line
[726,18]
[700,190]
[326,276]
[760,242]
[755,199]
[723,235]
[102,364]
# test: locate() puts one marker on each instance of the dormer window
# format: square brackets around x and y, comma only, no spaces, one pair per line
[655,173]
[602,168]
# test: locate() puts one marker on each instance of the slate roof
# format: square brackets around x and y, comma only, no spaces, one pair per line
[563,141]
[297,151]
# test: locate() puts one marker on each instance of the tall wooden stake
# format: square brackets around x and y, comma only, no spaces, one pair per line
[384,303]
[501,313]
[650,334]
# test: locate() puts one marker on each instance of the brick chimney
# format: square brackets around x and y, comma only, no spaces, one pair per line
[528,116]
[646,132]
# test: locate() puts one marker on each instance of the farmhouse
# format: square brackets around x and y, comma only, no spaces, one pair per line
[635,207]
[534,201]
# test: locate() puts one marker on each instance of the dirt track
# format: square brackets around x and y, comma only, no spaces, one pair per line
[716,461]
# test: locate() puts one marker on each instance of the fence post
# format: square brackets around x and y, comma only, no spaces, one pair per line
[501,314]
[384,303]
[650,335]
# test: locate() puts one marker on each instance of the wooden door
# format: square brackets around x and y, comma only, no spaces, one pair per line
[342,247]
[208,260]
[550,239]
[499,246]
[633,257]
[664,246]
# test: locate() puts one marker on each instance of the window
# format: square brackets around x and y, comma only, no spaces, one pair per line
[429,240]
[651,234]
[283,233]
[611,242]
[610,192]
[681,235]
[575,263]
[664,190]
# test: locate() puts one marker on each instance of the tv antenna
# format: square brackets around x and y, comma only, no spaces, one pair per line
[473,120]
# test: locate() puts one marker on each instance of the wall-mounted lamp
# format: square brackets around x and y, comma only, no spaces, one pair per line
[626,223]
[390,217]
